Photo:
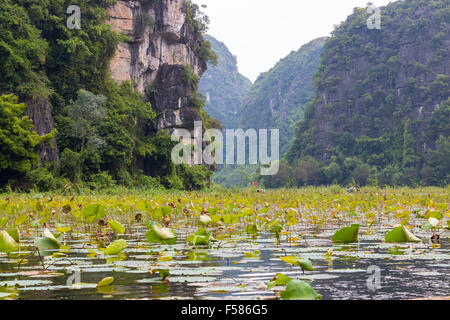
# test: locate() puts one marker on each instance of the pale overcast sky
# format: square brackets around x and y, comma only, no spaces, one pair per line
[261,32]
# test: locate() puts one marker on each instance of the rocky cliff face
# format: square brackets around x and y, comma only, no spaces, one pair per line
[382,95]
[40,113]
[382,78]
[160,44]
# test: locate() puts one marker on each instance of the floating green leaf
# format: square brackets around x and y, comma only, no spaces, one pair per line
[254,254]
[427,226]
[230,219]
[279,280]
[47,244]
[347,234]
[116,247]
[202,237]
[3,222]
[94,212]
[21,220]
[401,234]
[105,282]
[14,233]
[276,226]
[63,229]
[299,290]
[164,274]
[396,251]
[7,243]
[305,264]
[117,226]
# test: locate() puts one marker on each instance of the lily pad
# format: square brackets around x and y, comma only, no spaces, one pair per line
[305,264]
[117,226]
[299,290]
[94,212]
[347,234]
[3,222]
[63,229]
[14,233]
[401,234]
[21,220]
[279,280]
[105,282]
[201,237]
[7,243]
[47,243]
[116,247]
[24,283]
[163,273]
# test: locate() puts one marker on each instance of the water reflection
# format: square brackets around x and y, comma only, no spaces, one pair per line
[238,267]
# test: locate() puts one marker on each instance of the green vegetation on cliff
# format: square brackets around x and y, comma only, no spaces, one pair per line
[279,96]
[382,109]
[18,142]
[275,101]
[42,61]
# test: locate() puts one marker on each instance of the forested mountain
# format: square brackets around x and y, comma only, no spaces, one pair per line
[275,101]
[381,112]
[278,98]
[99,96]
[370,106]
[223,86]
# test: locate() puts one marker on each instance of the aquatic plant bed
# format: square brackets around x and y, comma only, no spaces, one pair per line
[325,243]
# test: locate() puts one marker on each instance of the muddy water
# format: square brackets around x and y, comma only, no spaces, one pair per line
[239,266]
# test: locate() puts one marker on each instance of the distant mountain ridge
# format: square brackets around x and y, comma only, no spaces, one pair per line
[223,86]
[276,101]
[279,96]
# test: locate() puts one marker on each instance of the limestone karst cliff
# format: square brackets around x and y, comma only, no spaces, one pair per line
[382,98]
[40,113]
[161,43]
[124,53]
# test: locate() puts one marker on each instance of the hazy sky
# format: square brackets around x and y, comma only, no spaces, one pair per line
[261,32]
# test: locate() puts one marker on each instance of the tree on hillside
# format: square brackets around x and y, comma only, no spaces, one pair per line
[85,115]
[307,172]
[18,140]
[86,112]
[437,168]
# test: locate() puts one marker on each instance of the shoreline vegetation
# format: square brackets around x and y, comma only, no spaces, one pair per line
[219,189]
